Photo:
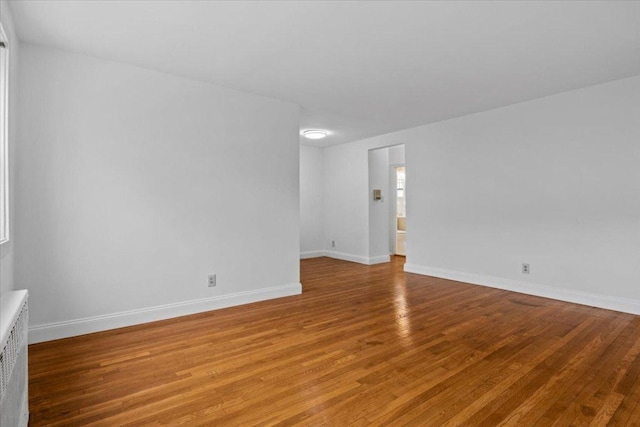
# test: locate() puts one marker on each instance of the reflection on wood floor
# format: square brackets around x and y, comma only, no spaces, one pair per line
[363,345]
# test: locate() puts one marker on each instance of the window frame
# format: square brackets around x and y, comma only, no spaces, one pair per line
[4,137]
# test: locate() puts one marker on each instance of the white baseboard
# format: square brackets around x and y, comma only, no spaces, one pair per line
[624,305]
[346,257]
[357,258]
[379,259]
[87,325]
[311,254]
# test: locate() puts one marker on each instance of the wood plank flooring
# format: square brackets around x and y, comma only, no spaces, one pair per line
[362,346]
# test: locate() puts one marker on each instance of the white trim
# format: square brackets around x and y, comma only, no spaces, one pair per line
[87,325]
[358,258]
[346,257]
[380,259]
[4,139]
[311,254]
[624,305]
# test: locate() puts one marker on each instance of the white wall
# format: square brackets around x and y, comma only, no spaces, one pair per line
[396,155]
[553,182]
[7,249]
[346,197]
[379,209]
[311,197]
[346,201]
[133,186]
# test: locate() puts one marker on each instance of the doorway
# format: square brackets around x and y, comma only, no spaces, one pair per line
[383,193]
[400,214]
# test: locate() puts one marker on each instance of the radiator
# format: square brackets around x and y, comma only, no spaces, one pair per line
[14,321]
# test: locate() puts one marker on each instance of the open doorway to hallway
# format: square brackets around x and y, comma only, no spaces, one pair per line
[400,216]
[384,199]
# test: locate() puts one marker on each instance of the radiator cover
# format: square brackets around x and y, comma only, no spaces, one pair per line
[14,322]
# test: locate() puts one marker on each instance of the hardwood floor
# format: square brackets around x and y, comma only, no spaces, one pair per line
[363,345]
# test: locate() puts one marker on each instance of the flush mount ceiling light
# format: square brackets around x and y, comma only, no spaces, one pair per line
[315,133]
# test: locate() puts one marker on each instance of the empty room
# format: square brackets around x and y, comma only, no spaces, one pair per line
[319,213]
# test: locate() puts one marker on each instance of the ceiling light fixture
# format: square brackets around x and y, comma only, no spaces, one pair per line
[315,133]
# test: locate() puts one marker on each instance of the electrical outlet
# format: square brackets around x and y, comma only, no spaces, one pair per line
[333,243]
[212,280]
[525,269]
